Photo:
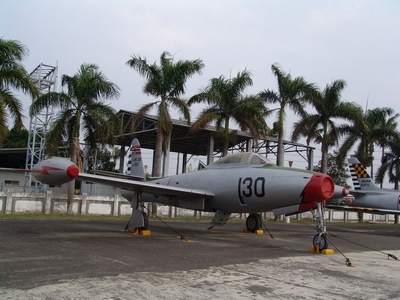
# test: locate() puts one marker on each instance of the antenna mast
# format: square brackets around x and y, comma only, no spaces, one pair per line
[45,78]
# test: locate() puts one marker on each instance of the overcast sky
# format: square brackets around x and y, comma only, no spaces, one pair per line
[358,41]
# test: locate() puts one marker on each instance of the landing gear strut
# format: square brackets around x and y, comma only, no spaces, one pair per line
[320,241]
[253,222]
[139,220]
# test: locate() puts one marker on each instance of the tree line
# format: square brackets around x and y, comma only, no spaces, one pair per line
[83,109]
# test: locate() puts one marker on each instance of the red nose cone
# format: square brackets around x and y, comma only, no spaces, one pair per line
[319,188]
[72,171]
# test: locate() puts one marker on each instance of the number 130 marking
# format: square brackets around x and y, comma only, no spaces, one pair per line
[248,186]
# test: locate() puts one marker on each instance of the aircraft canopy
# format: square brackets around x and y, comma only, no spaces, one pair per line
[249,158]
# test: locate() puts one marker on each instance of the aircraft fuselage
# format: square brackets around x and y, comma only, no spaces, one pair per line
[237,190]
[385,199]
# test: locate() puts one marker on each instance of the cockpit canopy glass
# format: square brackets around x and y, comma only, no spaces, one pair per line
[249,158]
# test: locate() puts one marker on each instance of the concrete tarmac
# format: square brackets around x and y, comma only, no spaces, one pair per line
[72,259]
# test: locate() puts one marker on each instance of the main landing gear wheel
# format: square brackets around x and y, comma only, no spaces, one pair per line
[323,241]
[253,222]
[145,221]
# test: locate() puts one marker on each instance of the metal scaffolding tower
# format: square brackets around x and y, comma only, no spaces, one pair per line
[45,78]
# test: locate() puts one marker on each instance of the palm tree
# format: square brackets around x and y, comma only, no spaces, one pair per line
[384,129]
[291,93]
[391,163]
[13,76]
[226,101]
[167,82]
[375,128]
[320,126]
[82,108]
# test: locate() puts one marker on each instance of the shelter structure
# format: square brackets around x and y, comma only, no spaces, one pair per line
[202,143]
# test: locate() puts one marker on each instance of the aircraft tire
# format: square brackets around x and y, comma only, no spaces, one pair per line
[324,242]
[253,222]
[145,221]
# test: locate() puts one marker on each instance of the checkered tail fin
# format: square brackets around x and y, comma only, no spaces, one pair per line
[359,176]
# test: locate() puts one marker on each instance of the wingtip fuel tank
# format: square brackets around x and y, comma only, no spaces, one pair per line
[55,171]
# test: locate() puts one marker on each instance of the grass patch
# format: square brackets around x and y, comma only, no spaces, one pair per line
[28,216]
[60,217]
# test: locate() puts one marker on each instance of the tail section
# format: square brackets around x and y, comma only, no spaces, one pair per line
[359,176]
[135,163]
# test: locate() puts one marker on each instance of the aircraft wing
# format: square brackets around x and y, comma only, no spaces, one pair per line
[14,170]
[367,210]
[116,175]
[146,187]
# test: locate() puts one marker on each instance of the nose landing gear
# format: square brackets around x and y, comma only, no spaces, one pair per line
[320,241]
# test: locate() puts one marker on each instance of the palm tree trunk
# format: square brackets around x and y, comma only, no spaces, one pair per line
[158,154]
[71,185]
[226,135]
[324,159]
[157,163]
[70,197]
[360,217]
[396,182]
[281,151]
[224,150]
[383,154]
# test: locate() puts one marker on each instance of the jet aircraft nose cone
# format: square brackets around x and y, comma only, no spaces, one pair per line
[72,171]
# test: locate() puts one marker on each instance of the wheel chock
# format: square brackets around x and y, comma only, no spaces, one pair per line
[136,231]
[259,231]
[312,249]
[324,251]
[328,251]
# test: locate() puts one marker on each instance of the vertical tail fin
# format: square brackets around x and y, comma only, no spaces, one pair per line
[359,176]
[135,163]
